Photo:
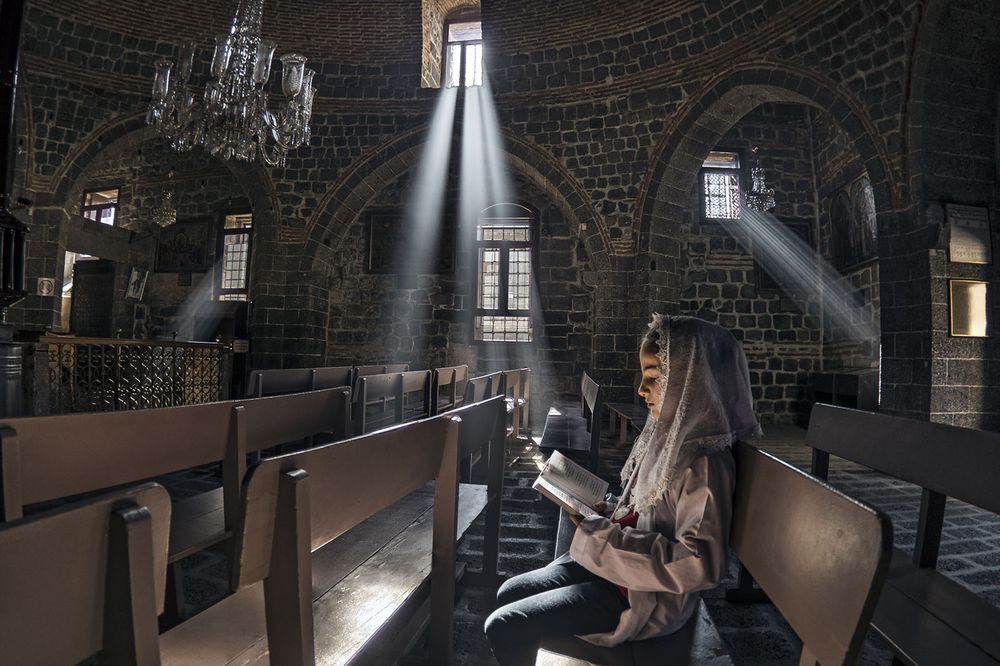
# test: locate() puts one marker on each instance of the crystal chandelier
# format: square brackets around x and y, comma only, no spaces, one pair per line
[165,214]
[760,197]
[232,118]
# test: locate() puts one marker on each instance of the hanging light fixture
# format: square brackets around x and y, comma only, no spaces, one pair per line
[165,214]
[232,118]
[760,197]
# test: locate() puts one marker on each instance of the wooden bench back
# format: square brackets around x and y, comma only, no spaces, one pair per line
[952,461]
[365,370]
[482,387]
[819,555]
[110,448]
[517,386]
[448,387]
[417,399]
[84,579]
[345,483]
[295,380]
[592,405]
[484,428]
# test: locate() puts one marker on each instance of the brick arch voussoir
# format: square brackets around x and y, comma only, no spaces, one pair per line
[720,104]
[340,207]
[565,192]
[357,186]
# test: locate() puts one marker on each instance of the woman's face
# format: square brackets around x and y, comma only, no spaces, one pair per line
[649,387]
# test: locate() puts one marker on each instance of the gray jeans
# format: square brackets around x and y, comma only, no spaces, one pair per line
[562,599]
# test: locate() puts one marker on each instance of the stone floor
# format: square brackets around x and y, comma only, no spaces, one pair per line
[755,635]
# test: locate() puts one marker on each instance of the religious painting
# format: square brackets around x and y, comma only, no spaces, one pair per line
[800,229]
[136,283]
[185,247]
[853,224]
[390,245]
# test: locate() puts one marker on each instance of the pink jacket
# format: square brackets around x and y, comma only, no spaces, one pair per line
[679,548]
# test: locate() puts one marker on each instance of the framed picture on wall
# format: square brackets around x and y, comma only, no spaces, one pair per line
[389,242]
[968,305]
[136,283]
[853,224]
[185,247]
[767,281]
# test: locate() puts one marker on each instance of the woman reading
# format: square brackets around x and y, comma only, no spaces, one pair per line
[635,571]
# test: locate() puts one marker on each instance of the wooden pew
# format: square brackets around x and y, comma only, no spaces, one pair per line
[296,380]
[85,579]
[574,428]
[517,387]
[448,387]
[483,387]
[923,615]
[374,394]
[821,556]
[48,458]
[385,369]
[306,595]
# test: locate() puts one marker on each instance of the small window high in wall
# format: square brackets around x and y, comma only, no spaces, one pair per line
[100,205]
[505,240]
[463,61]
[720,186]
[234,257]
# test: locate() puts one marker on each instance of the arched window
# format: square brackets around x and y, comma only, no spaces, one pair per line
[233,274]
[506,240]
[463,60]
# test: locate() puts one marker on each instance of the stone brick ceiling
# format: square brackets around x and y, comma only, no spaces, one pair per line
[366,31]
[352,30]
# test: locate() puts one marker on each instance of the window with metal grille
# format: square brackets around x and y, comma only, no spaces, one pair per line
[100,205]
[720,186]
[505,238]
[234,257]
[463,58]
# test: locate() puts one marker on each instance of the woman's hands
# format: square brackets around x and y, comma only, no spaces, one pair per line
[600,507]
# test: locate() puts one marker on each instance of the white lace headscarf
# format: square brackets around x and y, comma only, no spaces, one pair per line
[704,372]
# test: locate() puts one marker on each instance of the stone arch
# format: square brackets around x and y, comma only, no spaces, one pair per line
[129,132]
[344,202]
[705,119]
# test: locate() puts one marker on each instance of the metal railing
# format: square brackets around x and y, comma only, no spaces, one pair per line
[101,374]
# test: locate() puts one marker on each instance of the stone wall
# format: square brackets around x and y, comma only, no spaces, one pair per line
[606,109]
[837,166]
[779,328]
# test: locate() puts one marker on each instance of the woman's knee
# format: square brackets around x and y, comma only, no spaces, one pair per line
[503,624]
[517,588]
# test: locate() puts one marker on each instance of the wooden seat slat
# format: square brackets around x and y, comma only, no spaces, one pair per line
[232,631]
[949,603]
[919,637]
[392,545]
[349,614]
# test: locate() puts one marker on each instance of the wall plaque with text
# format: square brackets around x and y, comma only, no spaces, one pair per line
[969,238]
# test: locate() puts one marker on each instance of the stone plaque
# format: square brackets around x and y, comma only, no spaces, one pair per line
[969,237]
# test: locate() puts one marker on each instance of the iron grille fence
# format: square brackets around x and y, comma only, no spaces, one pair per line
[101,375]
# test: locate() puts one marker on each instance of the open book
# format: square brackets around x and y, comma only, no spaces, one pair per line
[570,486]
